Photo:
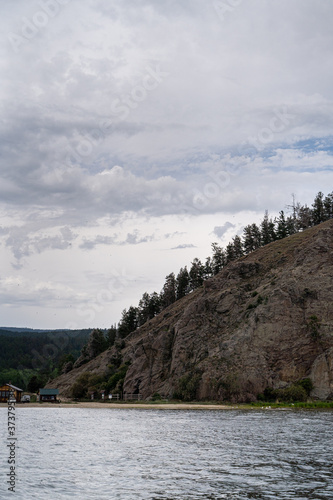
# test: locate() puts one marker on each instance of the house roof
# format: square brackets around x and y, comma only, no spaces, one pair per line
[14,387]
[49,392]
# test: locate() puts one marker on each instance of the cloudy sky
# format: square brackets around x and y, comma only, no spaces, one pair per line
[134,133]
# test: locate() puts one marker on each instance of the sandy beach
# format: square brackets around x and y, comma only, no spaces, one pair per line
[126,406]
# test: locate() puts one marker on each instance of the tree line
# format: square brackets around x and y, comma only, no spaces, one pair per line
[30,358]
[176,286]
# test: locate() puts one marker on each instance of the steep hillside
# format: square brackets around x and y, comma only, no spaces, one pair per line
[265,320]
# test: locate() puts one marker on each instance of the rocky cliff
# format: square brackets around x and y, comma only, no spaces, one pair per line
[266,320]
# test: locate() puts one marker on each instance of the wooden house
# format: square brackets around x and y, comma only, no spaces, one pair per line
[48,395]
[8,389]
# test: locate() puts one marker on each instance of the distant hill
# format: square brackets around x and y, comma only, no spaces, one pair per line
[31,332]
[25,352]
[264,323]
[22,330]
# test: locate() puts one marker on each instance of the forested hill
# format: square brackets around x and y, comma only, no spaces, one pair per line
[300,218]
[27,354]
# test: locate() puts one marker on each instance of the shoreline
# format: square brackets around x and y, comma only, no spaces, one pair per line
[126,406]
[174,405]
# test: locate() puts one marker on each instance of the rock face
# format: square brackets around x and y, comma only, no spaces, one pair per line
[265,320]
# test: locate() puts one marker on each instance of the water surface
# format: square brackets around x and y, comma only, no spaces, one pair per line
[87,453]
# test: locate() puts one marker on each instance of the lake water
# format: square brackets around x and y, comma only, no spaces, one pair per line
[66,453]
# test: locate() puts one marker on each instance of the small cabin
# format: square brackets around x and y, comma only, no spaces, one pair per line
[48,395]
[8,389]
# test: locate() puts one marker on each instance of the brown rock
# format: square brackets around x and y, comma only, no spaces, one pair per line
[264,320]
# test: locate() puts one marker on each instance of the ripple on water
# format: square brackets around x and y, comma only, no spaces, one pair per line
[150,454]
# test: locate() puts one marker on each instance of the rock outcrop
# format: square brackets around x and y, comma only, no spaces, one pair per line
[265,320]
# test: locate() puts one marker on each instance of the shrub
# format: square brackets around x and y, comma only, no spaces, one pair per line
[293,393]
[307,385]
[188,386]
[117,379]
[270,394]
[313,325]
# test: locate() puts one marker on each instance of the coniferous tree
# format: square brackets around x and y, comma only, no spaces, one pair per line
[143,309]
[248,240]
[281,226]
[267,230]
[256,234]
[303,218]
[149,306]
[318,209]
[230,252]
[238,247]
[168,294]
[196,274]
[208,270]
[182,283]
[291,225]
[128,322]
[97,342]
[154,305]
[328,207]
[218,259]
[111,335]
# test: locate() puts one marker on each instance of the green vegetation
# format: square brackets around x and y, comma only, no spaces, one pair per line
[188,386]
[29,358]
[296,404]
[298,392]
[111,382]
[313,326]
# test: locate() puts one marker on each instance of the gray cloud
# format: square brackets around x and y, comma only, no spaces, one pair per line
[184,245]
[88,244]
[131,239]
[220,231]
[167,112]
[30,239]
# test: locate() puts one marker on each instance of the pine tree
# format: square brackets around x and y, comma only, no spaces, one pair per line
[208,269]
[303,217]
[218,259]
[318,209]
[111,335]
[238,247]
[143,309]
[256,234]
[154,305]
[281,226]
[291,225]
[328,207]
[182,283]
[267,231]
[196,274]
[248,240]
[168,294]
[149,306]
[128,322]
[97,342]
[230,252]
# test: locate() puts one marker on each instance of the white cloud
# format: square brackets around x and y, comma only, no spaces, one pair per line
[125,124]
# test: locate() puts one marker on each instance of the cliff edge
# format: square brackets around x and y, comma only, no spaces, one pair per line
[266,320]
